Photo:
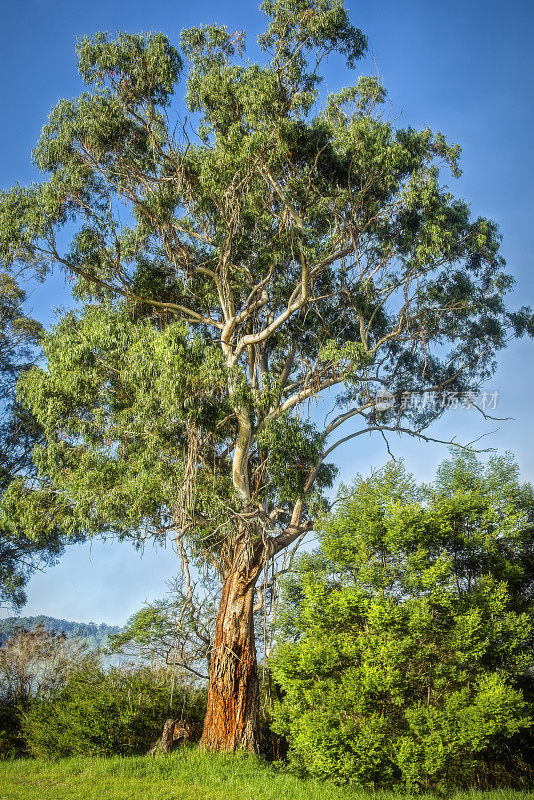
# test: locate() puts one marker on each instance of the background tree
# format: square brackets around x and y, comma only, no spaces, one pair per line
[407,630]
[22,552]
[176,631]
[35,663]
[276,244]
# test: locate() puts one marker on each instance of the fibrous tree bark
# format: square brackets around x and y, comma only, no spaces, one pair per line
[232,713]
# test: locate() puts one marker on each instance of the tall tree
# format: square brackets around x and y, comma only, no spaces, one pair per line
[20,552]
[275,245]
[176,631]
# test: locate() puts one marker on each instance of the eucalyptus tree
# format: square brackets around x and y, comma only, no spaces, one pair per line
[236,262]
[20,554]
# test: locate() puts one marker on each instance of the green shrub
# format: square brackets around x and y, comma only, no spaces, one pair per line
[97,712]
[406,632]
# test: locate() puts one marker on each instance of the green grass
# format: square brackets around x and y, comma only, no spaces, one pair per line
[186,775]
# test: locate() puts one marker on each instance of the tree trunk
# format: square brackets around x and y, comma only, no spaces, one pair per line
[232,715]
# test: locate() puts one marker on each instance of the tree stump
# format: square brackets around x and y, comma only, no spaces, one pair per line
[174,731]
[167,737]
[182,731]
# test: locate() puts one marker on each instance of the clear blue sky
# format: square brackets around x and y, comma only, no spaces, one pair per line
[464,67]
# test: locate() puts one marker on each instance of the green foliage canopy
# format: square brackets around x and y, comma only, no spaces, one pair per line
[270,246]
[20,552]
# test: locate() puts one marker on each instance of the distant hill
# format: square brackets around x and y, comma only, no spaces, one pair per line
[94,635]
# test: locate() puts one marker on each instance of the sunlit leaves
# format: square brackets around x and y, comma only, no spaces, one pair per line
[140,67]
[406,630]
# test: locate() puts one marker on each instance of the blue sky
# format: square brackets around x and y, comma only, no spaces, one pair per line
[462,67]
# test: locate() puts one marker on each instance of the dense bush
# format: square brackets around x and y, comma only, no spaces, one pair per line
[99,712]
[11,739]
[408,628]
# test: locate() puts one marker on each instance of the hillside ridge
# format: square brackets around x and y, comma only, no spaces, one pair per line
[95,634]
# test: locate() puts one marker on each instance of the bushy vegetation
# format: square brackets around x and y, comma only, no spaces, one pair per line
[58,700]
[118,711]
[34,664]
[407,632]
[11,742]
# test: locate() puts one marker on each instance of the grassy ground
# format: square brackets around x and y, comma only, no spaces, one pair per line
[186,775]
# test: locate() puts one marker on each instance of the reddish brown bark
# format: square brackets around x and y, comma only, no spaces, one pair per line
[232,715]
